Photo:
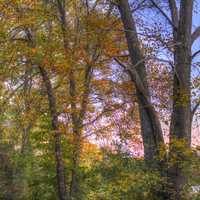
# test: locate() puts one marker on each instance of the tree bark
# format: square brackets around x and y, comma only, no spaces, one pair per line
[150,125]
[26,92]
[60,173]
[77,120]
[181,114]
[74,185]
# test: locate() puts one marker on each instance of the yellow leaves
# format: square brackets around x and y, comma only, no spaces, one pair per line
[61,67]
[182,99]
[23,12]
[96,21]
[102,32]
[162,152]
[179,152]
[50,59]
[29,3]
[90,153]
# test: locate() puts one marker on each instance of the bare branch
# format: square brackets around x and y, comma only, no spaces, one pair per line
[195,54]
[195,34]
[174,12]
[139,6]
[134,75]
[195,109]
[164,14]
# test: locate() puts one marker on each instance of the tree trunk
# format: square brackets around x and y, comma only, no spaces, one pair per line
[60,173]
[74,186]
[26,93]
[181,115]
[150,125]
[77,120]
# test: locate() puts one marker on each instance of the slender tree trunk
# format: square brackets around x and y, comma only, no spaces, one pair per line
[60,172]
[26,93]
[74,185]
[57,134]
[77,117]
[77,120]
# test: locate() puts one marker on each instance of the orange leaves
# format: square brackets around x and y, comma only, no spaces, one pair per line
[33,50]
[102,85]
[127,86]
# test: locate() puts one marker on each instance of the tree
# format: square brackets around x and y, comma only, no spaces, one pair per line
[181,115]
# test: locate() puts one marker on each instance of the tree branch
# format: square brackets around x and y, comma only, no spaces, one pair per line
[133,74]
[195,34]
[195,54]
[139,6]
[174,12]
[195,109]
[164,14]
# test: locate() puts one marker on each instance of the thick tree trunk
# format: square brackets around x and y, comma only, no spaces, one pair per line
[150,125]
[60,173]
[181,115]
